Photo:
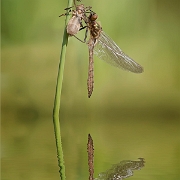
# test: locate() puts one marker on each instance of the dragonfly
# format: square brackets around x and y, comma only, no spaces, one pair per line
[106,49]
[99,43]
[75,23]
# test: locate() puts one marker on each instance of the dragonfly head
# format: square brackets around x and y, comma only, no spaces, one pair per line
[80,8]
[93,16]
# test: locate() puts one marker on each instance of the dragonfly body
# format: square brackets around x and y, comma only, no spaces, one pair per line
[95,30]
[106,49]
[75,23]
[73,26]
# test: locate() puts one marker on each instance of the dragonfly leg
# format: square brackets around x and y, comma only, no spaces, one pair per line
[79,39]
[65,14]
[85,37]
[83,41]
[83,27]
[68,9]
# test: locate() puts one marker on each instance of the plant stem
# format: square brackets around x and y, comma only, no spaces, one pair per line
[56,109]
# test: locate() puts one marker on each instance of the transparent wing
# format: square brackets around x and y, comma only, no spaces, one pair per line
[107,50]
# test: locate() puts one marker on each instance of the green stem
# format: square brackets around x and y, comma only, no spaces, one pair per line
[56,109]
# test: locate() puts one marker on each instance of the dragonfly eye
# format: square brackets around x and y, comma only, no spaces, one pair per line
[93,17]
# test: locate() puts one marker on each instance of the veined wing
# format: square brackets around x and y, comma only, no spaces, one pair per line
[107,50]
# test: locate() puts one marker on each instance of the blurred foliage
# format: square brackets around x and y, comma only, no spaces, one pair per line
[129,115]
[30,21]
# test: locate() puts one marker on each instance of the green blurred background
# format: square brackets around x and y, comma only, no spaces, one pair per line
[129,115]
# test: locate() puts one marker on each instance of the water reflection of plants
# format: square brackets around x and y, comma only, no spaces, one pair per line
[122,170]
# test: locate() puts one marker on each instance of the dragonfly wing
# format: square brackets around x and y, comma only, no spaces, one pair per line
[107,50]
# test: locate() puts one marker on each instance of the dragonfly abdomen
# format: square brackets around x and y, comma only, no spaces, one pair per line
[90,81]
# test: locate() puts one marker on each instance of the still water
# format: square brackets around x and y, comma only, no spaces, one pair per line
[29,152]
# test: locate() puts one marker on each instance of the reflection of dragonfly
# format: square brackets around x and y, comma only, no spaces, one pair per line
[122,170]
[106,49]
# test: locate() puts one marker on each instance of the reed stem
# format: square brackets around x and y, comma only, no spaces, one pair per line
[57,100]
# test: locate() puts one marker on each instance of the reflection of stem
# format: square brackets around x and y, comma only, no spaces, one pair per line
[57,100]
[90,150]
